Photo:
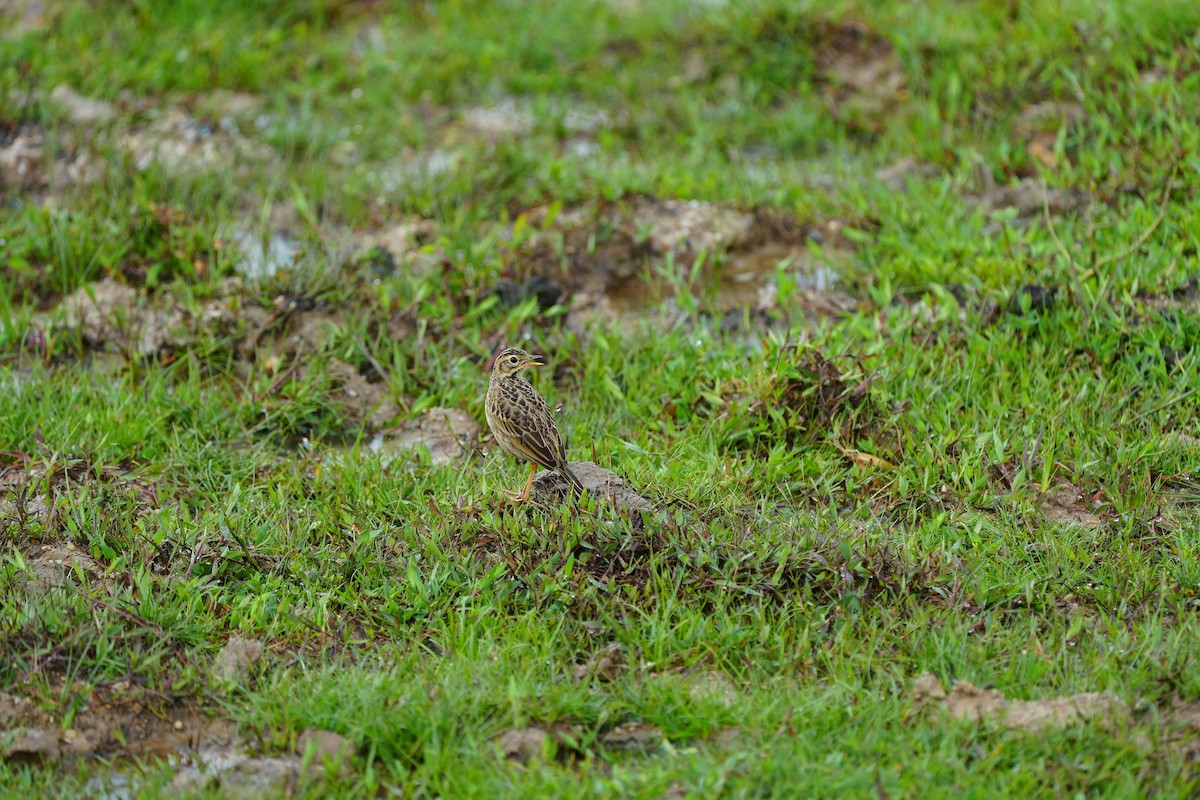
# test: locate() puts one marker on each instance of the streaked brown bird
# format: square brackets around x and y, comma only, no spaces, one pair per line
[521,420]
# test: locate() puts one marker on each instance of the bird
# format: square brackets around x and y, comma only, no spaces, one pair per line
[521,420]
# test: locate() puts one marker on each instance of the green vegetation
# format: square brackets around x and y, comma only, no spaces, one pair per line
[972,448]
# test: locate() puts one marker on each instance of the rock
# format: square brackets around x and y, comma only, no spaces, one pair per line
[233,663]
[326,747]
[32,747]
[601,483]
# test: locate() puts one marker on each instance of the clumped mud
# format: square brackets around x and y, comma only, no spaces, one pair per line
[969,702]
[813,398]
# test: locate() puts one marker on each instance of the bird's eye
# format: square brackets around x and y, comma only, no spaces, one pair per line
[513,359]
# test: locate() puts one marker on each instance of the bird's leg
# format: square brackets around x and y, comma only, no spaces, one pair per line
[529,482]
[523,496]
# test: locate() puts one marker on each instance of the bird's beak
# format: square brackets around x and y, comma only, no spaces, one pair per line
[534,361]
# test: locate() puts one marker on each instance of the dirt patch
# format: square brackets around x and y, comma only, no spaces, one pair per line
[900,174]
[516,116]
[54,565]
[112,312]
[28,163]
[235,774]
[80,110]
[21,159]
[400,243]
[115,317]
[967,701]
[29,491]
[625,258]
[561,741]
[111,722]
[448,435]
[110,315]
[862,73]
[372,402]
[1185,296]
[203,752]
[1029,198]
[174,139]
[1066,504]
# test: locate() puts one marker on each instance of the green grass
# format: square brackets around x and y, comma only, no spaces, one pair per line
[224,485]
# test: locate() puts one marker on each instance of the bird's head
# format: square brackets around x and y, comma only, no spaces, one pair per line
[512,361]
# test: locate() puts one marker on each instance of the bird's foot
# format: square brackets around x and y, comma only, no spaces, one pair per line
[517,497]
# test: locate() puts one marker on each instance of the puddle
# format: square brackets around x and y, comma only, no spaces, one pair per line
[516,116]
[263,258]
[415,166]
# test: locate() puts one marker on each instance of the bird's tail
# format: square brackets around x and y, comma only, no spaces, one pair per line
[566,472]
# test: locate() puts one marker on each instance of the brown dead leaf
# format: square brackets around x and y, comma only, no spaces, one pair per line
[864,460]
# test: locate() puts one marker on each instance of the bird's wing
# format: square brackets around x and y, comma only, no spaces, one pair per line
[532,432]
